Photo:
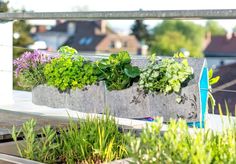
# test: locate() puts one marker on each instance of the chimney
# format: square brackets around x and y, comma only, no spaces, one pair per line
[228,36]
[207,40]
[103,25]
[71,28]
[59,22]
[41,28]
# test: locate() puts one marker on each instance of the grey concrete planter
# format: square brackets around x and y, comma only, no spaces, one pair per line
[89,100]
[130,102]
[121,103]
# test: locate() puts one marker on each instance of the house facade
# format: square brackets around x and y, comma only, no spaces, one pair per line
[88,37]
[220,50]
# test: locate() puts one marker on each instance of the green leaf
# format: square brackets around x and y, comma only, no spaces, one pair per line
[124,57]
[132,71]
[212,100]
[66,50]
[210,73]
[178,99]
[152,58]
[185,62]
[214,80]
[168,89]
[179,55]
[103,64]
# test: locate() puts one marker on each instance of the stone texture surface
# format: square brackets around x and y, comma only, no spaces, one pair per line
[167,107]
[90,100]
[49,96]
[122,103]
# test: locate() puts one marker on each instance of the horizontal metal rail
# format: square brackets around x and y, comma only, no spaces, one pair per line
[97,15]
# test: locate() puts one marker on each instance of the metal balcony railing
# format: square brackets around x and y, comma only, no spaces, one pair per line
[95,15]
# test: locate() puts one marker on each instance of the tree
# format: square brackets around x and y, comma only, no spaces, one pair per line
[214,28]
[3,6]
[171,36]
[139,29]
[22,37]
[171,42]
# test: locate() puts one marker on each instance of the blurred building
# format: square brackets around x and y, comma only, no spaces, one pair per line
[87,36]
[220,50]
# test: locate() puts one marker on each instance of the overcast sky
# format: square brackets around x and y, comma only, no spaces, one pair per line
[106,5]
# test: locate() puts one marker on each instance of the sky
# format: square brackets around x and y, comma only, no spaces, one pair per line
[119,5]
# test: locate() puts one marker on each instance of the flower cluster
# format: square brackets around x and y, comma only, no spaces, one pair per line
[30,60]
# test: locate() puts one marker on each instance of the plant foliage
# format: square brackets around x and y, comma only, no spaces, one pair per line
[69,71]
[94,140]
[179,144]
[117,71]
[29,68]
[165,76]
[44,149]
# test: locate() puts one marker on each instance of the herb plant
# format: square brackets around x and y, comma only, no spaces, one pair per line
[69,71]
[165,76]
[29,68]
[34,148]
[180,144]
[117,71]
[94,140]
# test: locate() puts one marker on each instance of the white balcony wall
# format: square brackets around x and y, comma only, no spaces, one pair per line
[6,67]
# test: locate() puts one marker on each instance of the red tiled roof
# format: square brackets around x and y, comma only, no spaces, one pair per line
[221,46]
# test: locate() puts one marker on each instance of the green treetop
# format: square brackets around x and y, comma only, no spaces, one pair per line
[172,35]
[214,28]
[139,29]
[3,6]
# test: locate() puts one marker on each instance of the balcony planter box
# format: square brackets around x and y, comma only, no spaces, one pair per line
[129,103]
[49,96]
[194,96]
[90,99]
[122,103]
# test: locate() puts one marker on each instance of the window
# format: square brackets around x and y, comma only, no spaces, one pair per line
[82,41]
[125,44]
[88,40]
[112,44]
[85,41]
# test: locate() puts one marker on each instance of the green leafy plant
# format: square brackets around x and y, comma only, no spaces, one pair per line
[69,71]
[93,140]
[117,71]
[180,144]
[212,81]
[40,149]
[165,76]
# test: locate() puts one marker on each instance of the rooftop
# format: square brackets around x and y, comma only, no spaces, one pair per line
[221,46]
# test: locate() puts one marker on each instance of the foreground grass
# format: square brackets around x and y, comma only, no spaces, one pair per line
[94,140]
[179,144]
[98,140]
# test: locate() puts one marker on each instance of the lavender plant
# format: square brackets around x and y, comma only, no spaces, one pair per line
[29,68]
